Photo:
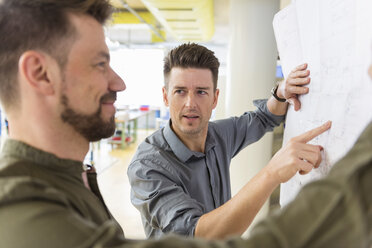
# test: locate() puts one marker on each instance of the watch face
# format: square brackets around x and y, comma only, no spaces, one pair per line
[274,89]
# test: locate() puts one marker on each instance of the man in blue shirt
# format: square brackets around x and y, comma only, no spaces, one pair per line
[180,175]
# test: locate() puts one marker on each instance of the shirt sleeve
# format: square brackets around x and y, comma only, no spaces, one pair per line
[239,132]
[159,196]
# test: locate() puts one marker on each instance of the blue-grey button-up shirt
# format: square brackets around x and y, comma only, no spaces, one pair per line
[173,186]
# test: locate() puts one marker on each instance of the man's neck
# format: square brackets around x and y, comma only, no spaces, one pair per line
[195,142]
[52,139]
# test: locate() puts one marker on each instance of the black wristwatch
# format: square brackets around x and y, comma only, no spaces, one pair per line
[273,92]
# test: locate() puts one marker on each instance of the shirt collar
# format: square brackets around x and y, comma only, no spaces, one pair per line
[182,152]
[26,152]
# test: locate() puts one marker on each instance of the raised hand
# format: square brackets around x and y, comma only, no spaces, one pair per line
[297,155]
[294,85]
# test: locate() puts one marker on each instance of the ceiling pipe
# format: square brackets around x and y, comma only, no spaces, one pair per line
[131,10]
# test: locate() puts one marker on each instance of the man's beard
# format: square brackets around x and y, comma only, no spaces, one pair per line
[92,127]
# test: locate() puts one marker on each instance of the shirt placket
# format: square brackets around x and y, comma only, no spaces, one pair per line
[210,161]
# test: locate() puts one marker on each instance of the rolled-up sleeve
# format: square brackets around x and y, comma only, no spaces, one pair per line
[164,204]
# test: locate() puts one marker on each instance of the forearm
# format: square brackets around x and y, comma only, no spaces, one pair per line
[235,216]
[276,107]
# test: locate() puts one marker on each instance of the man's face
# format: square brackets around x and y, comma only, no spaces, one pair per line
[89,86]
[191,99]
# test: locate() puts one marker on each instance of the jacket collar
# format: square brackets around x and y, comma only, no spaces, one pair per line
[23,151]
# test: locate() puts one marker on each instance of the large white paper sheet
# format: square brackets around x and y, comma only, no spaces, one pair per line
[334,38]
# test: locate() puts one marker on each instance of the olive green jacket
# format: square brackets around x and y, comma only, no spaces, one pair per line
[44,204]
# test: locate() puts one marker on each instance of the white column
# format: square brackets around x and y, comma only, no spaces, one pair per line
[250,75]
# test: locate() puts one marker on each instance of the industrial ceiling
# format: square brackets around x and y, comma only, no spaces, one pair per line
[150,21]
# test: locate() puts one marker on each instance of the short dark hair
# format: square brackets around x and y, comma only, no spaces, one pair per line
[191,55]
[41,25]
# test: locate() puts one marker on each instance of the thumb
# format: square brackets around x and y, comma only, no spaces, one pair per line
[296,104]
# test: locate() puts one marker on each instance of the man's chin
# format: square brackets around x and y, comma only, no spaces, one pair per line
[191,131]
[105,132]
[110,128]
[93,127]
[99,129]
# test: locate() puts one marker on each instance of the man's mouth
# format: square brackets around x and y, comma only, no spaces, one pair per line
[109,98]
[190,116]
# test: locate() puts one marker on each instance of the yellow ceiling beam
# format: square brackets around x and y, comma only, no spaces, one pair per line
[155,38]
[126,17]
[186,20]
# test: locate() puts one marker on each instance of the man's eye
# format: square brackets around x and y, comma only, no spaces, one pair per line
[179,91]
[202,92]
[102,64]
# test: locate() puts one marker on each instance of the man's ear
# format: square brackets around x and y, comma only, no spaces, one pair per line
[165,97]
[35,68]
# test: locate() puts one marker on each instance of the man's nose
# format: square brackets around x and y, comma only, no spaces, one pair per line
[116,83]
[190,100]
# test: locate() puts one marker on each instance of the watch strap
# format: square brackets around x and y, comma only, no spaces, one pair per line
[273,93]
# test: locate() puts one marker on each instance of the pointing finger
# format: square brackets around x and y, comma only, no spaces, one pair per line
[309,135]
